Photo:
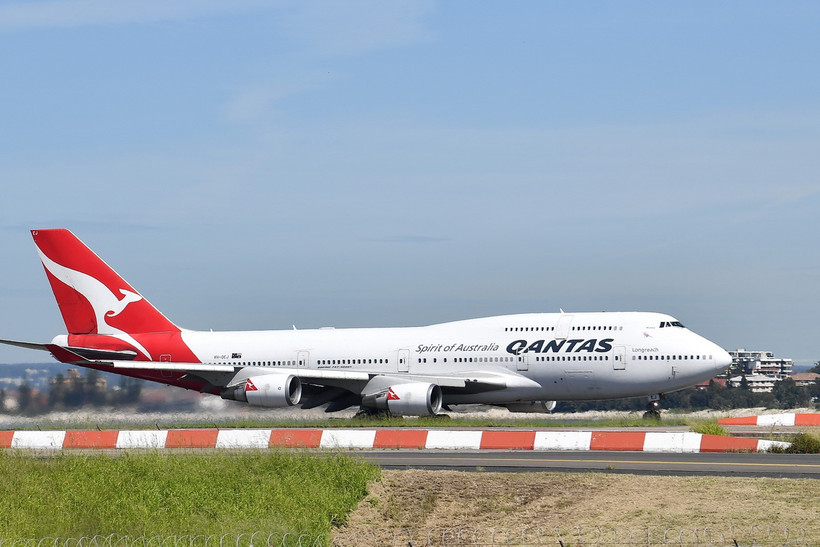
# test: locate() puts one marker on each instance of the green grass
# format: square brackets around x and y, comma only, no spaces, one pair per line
[177,494]
[709,427]
[804,443]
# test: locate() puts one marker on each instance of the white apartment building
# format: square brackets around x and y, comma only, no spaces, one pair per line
[760,363]
[758,383]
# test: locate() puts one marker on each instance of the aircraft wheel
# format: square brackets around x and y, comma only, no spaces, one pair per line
[652,415]
[653,409]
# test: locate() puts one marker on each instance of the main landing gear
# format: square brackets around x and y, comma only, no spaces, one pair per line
[653,408]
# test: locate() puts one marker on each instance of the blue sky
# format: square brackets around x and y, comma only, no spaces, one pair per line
[252,165]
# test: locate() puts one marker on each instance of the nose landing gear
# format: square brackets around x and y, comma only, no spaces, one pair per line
[653,408]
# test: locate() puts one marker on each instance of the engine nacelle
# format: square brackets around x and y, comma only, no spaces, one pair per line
[413,399]
[537,407]
[268,390]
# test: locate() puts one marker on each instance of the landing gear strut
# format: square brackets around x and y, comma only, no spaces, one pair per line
[653,408]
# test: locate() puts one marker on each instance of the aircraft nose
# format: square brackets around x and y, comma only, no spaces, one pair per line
[722,360]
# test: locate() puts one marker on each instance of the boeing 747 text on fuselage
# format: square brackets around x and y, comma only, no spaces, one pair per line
[524,362]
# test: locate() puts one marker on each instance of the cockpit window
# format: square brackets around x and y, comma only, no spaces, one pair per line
[672,324]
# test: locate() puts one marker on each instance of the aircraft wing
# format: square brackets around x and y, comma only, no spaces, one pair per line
[483,380]
[341,388]
[471,381]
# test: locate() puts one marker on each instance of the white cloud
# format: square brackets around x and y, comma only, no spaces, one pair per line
[80,13]
[324,27]
[256,102]
[348,28]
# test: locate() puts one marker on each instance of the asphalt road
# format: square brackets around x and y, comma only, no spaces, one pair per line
[723,464]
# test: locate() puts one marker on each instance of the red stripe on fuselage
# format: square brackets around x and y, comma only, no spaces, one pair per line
[162,346]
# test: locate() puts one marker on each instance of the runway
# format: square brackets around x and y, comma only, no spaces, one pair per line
[795,466]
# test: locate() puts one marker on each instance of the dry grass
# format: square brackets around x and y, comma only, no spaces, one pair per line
[536,507]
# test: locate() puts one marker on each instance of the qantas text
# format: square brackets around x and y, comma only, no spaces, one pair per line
[544,346]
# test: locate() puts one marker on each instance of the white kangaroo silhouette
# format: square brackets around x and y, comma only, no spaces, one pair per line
[104,302]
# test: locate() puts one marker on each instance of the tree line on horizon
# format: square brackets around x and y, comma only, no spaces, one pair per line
[69,392]
[73,391]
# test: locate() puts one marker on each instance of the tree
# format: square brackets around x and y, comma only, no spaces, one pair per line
[56,393]
[130,389]
[24,399]
[94,393]
[790,395]
[75,394]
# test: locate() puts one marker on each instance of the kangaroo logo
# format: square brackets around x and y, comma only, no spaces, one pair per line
[129,296]
[104,302]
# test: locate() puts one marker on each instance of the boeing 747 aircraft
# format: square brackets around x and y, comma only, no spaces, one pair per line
[523,362]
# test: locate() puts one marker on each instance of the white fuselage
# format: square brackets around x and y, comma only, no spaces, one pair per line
[566,356]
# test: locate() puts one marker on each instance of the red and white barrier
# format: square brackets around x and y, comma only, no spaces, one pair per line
[789,420]
[434,439]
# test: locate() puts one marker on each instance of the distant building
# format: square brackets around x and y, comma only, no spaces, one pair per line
[757,383]
[705,385]
[745,362]
[804,379]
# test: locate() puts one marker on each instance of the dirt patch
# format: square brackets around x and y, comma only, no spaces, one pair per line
[451,507]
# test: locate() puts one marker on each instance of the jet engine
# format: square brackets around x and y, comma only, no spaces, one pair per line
[413,399]
[537,407]
[268,390]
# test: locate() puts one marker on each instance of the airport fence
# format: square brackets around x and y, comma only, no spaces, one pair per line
[255,539]
[754,536]
[751,536]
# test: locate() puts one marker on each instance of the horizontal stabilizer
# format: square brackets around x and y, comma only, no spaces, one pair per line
[65,355]
[27,345]
[76,356]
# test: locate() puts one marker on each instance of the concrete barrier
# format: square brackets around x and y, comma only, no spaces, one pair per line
[788,420]
[433,439]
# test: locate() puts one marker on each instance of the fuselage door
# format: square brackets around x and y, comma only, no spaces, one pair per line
[562,328]
[302,359]
[522,361]
[619,358]
[404,360]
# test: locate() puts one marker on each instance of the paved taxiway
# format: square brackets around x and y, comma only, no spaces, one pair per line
[724,464]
